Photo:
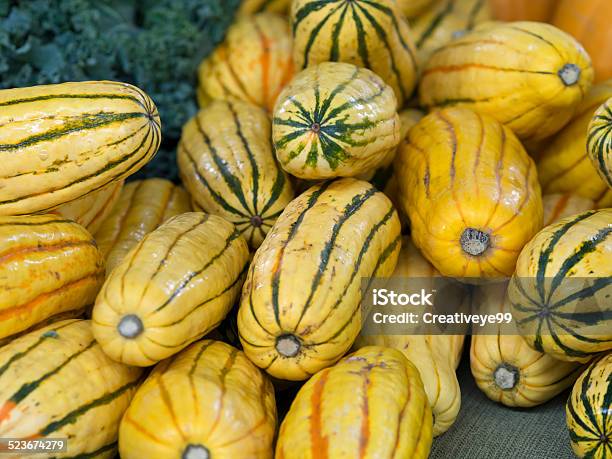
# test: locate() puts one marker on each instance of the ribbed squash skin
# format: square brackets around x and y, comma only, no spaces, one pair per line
[208,396]
[558,206]
[172,288]
[599,142]
[57,383]
[253,63]
[299,310]
[49,266]
[413,8]
[226,162]
[506,369]
[564,165]
[511,71]
[435,356]
[335,120]
[257,6]
[142,207]
[91,210]
[456,171]
[371,404]
[367,33]
[87,135]
[588,411]
[566,319]
[444,21]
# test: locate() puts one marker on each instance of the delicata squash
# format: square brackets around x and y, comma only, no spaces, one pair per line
[209,401]
[558,206]
[471,193]
[371,404]
[599,146]
[529,75]
[172,288]
[87,135]
[300,306]
[335,120]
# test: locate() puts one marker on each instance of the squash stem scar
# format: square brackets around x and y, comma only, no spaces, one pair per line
[474,242]
[195,452]
[288,345]
[569,74]
[506,376]
[130,326]
[256,221]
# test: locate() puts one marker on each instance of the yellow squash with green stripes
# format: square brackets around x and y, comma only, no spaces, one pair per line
[414,8]
[471,192]
[564,165]
[257,6]
[171,289]
[367,33]
[300,306]
[56,383]
[370,404]
[588,411]
[226,162]
[142,206]
[529,75]
[61,142]
[50,267]
[599,146]
[207,402]
[560,291]
[558,206]
[335,120]
[253,64]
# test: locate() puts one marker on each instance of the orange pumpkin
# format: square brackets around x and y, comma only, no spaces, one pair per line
[523,10]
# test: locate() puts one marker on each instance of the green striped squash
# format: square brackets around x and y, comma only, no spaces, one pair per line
[335,120]
[599,141]
[367,33]
[560,291]
[56,382]
[588,411]
[226,162]
[61,142]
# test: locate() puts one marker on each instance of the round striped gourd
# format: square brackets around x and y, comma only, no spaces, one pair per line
[257,6]
[505,368]
[209,401]
[299,310]
[226,162]
[172,288]
[444,21]
[599,146]
[560,292]
[367,33]
[370,404]
[528,75]
[435,356]
[50,267]
[564,165]
[335,120]
[558,206]
[87,135]
[413,8]
[457,172]
[57,383]
[588,411]
[91,210]
[143,205]
[253,64]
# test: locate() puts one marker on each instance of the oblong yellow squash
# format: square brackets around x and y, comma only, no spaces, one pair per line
[226,162]
[335,120]
[599,136]
[143,205]
[471,193]
[435,356]
[172,288]
[253,63]
[57,383]
[505,368]
[558,206]
[529,75]
[564,165]
[367,33]
[209,401]
[370,404]
[299,310]
[49,267]
[560,291]
[257,6]
[91,210]
[86,135]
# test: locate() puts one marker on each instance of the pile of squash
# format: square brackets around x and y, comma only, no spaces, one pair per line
[336,140]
